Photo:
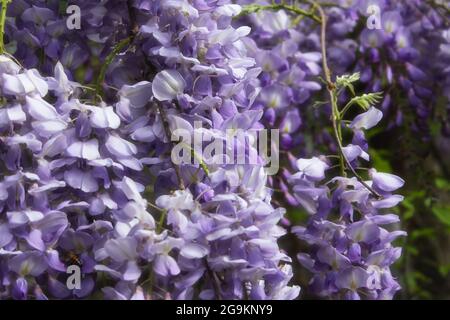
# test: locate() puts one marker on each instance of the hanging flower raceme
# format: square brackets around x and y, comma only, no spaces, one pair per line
[64,167]
[209,203]
[351,250]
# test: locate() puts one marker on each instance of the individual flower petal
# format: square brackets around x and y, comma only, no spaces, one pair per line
[84,149]
[229,10]
[121,250]
[32,264]
[332,257]
[165,265]
[17,84]
[48,128]
[367,119]
[363,231]
[388,202]
[313,168]
[132,271]
[386,181]
[194,251]
[40,109]
[104,117]
[167,85]
[352,278]
[131,189]
[120,147]
[139,94]
[353,151]
[34,239]
[83,180]
[5,235]
[12,114]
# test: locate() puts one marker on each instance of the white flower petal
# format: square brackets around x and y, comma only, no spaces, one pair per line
[84,149]
[167,85]
[104,118]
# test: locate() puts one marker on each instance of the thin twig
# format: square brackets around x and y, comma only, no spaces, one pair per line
[160,226]
[253,8]
[2,24]
[331,88]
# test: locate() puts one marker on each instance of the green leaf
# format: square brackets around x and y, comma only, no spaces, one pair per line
[318,104]
[422,233]
[298,216]
[367,100]
[346,81]
[443,214]
[364,101]
[379,161]
[412,250]
[444,270]
[410,209]
[442,184]
[63,4]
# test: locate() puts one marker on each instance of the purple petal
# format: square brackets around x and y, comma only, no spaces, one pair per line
[120,147]
[386,181]
[352,278]
[121,250]
[132,272]
[84,149]
[194,251]
[167,85]
[138,95]
[367,119]
[165,265]
[363,231]
[313,168]
[40,109]
[104,117]
[82,180]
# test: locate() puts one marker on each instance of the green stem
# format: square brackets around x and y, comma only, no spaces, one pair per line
[336,115]
[2,24]
[160,226]
[346,108]
[196,156]
[337,127]
[252,8]
[109,59]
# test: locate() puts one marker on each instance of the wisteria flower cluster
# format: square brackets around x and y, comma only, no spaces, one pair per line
[350,250]
[88,116]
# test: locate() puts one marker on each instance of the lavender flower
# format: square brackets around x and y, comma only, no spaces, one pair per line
[87,175]
[350,251]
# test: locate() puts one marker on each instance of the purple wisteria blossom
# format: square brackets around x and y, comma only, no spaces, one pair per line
[95,174]
[351,251]
[394,58]
[77,171]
